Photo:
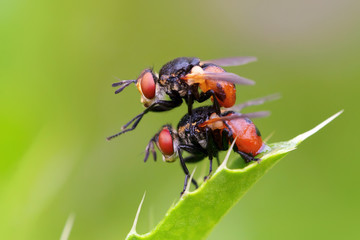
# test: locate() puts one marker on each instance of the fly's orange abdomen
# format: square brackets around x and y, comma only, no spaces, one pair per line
[225,92]
[248,136]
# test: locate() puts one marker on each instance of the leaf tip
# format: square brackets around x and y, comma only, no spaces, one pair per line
[224,163]
[68,226]
[133,229]
[297,140]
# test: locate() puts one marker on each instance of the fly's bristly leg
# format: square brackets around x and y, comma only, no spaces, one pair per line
[190,102]
[194,158]
[193,149]
[248,157]
[210,168]
[211,149]
[205,96]
[186,171]
[157,106]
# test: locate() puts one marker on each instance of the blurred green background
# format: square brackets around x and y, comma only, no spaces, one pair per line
[59,58]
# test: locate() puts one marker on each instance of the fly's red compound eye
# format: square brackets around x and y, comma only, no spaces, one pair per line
[148,85]
[166,142]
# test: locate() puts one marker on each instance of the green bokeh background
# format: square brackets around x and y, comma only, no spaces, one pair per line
[59,58]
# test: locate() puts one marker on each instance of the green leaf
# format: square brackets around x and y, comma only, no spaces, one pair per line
[197,212]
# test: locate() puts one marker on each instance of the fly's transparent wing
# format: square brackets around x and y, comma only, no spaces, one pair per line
[233,61]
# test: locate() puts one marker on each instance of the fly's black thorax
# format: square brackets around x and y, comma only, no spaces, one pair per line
[171,73]
[191,135]
[189,131]
[179,66]
[174,86]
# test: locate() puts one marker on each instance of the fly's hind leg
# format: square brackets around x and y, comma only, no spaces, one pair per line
[248,157]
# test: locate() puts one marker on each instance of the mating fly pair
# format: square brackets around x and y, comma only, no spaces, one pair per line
[205,133]
[181,79]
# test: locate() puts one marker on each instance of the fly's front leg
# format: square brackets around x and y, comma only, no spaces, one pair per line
[194,158]
[136,121]
[197,150]
[157,106]
[165,105]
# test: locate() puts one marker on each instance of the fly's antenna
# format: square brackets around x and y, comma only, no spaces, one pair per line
[123,84]
[150,148]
